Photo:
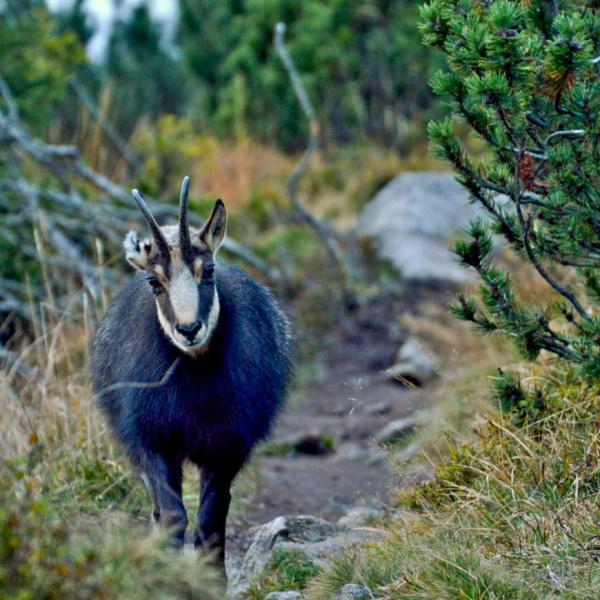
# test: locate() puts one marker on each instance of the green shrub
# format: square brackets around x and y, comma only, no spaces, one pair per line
[46,555]
[513,515]
[524,77]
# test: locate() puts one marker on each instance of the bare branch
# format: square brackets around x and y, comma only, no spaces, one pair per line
[245,254]
[17,364]
[525,224]
[565,133]
[64,211]
[7,96]
[326,234]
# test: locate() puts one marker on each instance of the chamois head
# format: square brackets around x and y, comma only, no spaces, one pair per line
[179,266]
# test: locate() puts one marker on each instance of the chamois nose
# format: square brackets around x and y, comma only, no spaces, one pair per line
[189,331]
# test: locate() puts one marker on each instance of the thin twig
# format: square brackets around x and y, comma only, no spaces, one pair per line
[66,210]
[565,133]
[11,105]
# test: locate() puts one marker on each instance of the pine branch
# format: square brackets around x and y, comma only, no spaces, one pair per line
[525,229]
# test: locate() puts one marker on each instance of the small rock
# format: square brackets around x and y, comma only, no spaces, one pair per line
[413,363]
[233,564]
[352,452]
[353,591]
[257,556]
[398,429]
[311,443]
[359,516]
[379,408]
[375,458]
[284,596]
[405,454]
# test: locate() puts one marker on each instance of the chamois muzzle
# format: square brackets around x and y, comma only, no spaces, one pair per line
[189,331]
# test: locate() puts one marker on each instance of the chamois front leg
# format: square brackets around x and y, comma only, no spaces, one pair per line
[163,478]
[215,497]
[153,498]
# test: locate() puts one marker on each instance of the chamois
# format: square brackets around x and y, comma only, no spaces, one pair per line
[190,362]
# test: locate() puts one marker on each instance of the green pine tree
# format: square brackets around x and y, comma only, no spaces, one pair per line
[524,76]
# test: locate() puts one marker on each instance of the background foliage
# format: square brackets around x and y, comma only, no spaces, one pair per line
[511,510]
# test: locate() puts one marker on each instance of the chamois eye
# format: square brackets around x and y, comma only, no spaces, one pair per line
[208,270]
[156,285]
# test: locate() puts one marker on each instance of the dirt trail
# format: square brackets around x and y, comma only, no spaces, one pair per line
[349,403]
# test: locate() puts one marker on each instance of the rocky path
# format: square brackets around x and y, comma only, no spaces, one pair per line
[322,458]
[331,422]
[409,223]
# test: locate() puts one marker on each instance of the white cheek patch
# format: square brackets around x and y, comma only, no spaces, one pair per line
[183,294]
[213,318]
[166,327]
[213,315]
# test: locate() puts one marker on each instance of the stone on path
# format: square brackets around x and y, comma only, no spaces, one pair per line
[353,452]
[399,429]
[354,591]
[413,363]
[360,516]
[319,540]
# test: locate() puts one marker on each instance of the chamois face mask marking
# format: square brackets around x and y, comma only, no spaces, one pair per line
[179,265]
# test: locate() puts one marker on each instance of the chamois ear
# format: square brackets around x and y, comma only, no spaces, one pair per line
[137,252]
[212,233]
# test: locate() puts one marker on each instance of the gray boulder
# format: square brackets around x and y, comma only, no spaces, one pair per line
[319,540]
[411,222]
[379,408]
[284,596]
[396,430]
[352,452]
[353,591]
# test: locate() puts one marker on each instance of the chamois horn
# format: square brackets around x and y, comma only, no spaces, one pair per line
[159,238]
[185,242]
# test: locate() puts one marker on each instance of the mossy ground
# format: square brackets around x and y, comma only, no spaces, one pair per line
[287,570]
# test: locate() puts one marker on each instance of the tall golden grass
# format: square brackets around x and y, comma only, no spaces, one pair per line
[74,519]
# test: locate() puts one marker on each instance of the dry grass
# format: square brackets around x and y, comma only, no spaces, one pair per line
[513,515]
[235,170]
[468,361]
[74,518]
[511,510]
[49,417]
